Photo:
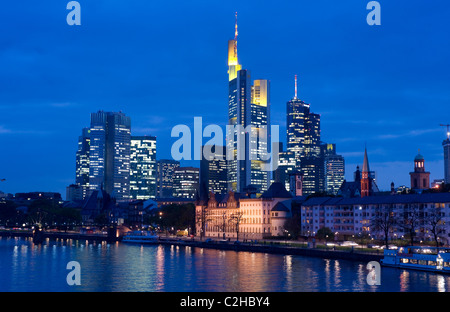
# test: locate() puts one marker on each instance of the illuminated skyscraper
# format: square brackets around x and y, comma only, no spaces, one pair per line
[303,129]
[109,154]
[286,166]
[185,182]
[213,171]
[143,167]
[164,180]
[82,162]
[334,169]
[248,106]
[446,145]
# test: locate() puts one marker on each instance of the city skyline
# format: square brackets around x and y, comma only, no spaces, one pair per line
[383,104]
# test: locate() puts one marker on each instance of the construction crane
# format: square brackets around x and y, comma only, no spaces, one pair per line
[448,130]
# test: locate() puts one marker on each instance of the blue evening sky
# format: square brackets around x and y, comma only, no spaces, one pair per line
[165,62]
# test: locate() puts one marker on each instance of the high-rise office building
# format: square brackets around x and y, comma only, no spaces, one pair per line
[260,138]
[446,145]
[186,182]
[303,129]
[82,162]
[213,171]
[286,166]
[109,154]
[303,140]
[143,167]
[164,179]
[334,168]
[313,175]
[248,106]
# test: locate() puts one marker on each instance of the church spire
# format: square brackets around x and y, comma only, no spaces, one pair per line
[366,162]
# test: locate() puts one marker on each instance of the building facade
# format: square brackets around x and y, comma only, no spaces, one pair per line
[356,216]
[420,179]
[109,154]
[82,162]
[186,182]
[243,217]
[143,167]
[213,170]
[446,145]
[248,118]
[164,179]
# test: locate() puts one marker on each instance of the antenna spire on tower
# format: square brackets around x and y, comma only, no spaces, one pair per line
[295,96]
[448,130]
[236,31]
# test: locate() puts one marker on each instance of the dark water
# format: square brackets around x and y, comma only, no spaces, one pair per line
[120,267]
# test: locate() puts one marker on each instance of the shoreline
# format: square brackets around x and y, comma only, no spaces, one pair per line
[260,248]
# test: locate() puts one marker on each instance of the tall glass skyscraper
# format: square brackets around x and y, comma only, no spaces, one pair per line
[334,168]
[109,154]
[446,145]
[248,106]
[82,162]
[185,182]
[303,129]
[164,180]
[143,167]
[213,171]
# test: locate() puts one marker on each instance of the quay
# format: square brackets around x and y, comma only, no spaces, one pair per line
[274,247]
[277,248]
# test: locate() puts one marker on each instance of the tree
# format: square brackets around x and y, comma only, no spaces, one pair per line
[235,220]
[8,212]
[293,226]
[325,233]
[410,220]
[178,216]
[384,221]
[435,223]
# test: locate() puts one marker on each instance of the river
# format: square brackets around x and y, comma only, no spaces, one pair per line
[119,267]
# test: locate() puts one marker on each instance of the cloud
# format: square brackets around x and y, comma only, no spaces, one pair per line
[4,130]
[412,133]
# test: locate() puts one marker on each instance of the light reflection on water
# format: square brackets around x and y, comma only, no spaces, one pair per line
[120,267]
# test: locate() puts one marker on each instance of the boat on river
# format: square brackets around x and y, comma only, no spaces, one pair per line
[418,258]
[141,237]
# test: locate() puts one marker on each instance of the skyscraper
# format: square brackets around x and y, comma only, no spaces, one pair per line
[334,169]
[143,167]
[213,171]
[82,162]
[185,182]
[446,145]
[303,140]
[303,129]
[286,165]
[109,154]
[164,180]
[248,106]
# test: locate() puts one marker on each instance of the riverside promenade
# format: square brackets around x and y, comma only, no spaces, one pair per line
[281,247]
[269,246]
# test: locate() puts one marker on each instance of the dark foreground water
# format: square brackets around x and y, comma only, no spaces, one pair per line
[120,267]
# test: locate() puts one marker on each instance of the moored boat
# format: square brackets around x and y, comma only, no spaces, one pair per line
[418,258]
[141,237]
